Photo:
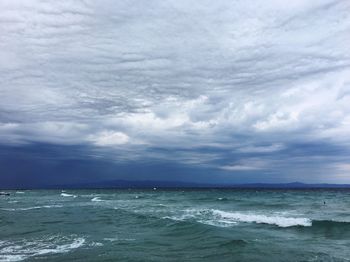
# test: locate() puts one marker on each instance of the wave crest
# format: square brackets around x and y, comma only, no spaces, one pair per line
[17,251]
[96,199]
[262,219]
[224,218]
[31,208]
[68,195]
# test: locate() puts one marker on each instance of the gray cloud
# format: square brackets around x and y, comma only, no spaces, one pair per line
[237,78]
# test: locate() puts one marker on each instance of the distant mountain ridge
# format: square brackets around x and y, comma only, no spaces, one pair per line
[178,184]
[121,184]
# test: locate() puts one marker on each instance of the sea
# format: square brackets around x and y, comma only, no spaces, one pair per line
[175,225]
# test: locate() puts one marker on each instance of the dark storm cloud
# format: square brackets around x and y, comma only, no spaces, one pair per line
[232,86]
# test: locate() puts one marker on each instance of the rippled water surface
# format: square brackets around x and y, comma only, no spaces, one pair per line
[175,225]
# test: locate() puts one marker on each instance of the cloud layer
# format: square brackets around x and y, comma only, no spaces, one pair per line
[256,87]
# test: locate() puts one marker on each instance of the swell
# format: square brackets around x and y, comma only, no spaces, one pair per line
[331,224]
[189,230]
[329,229]
[201,236]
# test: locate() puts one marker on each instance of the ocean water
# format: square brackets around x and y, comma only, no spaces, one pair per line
[175,225]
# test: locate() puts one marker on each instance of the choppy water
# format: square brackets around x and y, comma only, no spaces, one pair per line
[163,225]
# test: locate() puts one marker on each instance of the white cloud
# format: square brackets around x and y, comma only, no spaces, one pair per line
[344,167]
[109,138]
[262,149]
[240,168]
[247,165]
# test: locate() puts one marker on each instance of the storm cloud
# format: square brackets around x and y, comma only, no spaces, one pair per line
[236,90]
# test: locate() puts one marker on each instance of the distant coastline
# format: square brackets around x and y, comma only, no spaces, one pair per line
[125,184]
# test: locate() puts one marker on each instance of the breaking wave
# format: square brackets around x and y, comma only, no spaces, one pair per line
[223,218]
[18,251]
[263,219]
[31,208]
[67,195]
[331,224]
[96,199]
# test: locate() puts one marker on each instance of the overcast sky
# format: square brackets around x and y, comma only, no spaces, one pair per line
[205,91]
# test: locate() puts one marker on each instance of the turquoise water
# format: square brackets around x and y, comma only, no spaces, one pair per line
[175,225]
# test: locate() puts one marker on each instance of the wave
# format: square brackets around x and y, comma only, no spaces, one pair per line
[30,208]
[328,224]
[222,198]
[233,243]
[24,250]
[221,218]
[113,239]
[224,219]
[68,195]
[139,196]
[97,199]
[262,219]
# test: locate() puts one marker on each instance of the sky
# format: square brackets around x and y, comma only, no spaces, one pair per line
[174,90]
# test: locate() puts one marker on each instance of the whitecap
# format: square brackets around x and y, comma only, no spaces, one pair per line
[280,221]
[27,249]
[68,195]
[223,218]
[96,199]
[96,244]
[113,239]
[62,248]
[222,198]
[30,208]
[218,222]
[12,258]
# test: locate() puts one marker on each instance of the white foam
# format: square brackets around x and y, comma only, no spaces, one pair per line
[30,208]
[62,248]
[96,244]
[201,216]
[262,219]
[12,258]
[223,218]
[186,216]
[218,222]
[68,195]
[113,239]
[22,251]
[19,192]
[96,199]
